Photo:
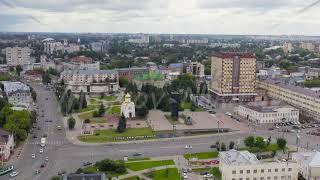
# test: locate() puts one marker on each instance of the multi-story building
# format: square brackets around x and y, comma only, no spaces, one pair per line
[268,112]
[91,81]
[18,93]
[99,47]
[129,73]
[233,77]
[18,55]
[143,39]
[51,45]
[194,68]
[308,46]
[306,100]
[309,164]
[198,41]
[287,48]
[81,62]
[242,165]
[6,144]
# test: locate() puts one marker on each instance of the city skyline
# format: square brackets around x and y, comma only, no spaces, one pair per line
[197,17]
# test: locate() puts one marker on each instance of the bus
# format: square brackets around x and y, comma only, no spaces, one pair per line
[6,170]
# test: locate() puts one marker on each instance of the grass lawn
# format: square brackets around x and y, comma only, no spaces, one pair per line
[165,174]
[5,77]
[94,169]
[138,166]
[202,155]
[114,110]
[186,105]
[89,108]
[87,115]
[199,109]
[270,148]
[110,134]
[214,171]
[109,98]
[132,178]
[94,101]
[98,120]
[138,159]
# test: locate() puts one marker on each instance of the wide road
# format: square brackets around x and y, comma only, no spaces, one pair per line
[69,157]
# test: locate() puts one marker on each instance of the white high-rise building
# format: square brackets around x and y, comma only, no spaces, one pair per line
[18,55]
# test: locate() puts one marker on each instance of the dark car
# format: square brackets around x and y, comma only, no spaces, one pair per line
[136,154]
[61,172]
[34,136]
[86,163]
[43,165]
[213,146]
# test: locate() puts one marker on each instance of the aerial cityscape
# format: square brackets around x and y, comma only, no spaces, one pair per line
[159,90]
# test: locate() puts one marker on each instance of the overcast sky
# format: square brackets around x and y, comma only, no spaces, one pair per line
[162,16]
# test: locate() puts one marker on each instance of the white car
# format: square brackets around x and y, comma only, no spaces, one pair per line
[208,175]
[188,147]
[33,156]
[14,174]
[41,151]
[47,159]
[185,176]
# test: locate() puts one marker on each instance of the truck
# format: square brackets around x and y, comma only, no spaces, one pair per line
[43,142]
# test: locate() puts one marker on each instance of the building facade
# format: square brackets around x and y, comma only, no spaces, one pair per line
[309,164]
[18,55]
[194,68]
[242,165]
[287,47]
[6,145]
[129,73]
[233,77]
[307,101]
[91,81]
[18,94]
[264,112]
[81,63]
[128,107]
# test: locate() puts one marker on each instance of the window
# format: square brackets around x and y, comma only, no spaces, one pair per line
[262,170]
[289,169]
[283,169]
[255,171]
[261,178]
[269,170]
[276,177]
[276,170]
[241,171]
[268,177]
[248,171]
[233,172]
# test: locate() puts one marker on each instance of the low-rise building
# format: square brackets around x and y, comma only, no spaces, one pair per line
[128,107]
[306,100]
[97,176]
[6,144]
[262,112]
[18,93]
[243,165]
[194,68]
[309,164]
[91,81]
[129,73]
[81,62]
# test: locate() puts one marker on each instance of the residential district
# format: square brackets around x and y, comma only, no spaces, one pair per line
[155,106]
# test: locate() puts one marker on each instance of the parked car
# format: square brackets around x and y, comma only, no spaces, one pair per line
[14,174]
[86,163]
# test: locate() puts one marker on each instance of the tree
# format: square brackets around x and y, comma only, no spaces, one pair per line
[46,79]
[223,147]
[141,109]
[82,100]
[102,110]
[282,143]
[231,145]
[71,122]
[218,146]
[260,143]
[123,82]
[19,69]
[87,121]
[249,141]
[56,178]
[34,95]
[122,125]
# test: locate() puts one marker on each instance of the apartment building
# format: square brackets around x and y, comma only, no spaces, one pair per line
[6,144]
[194,68]
[91,81]
[309,164]
[242,165]
[18,55]
[308,46]
[81,62]
[306,100]
[233,77]
[287,47]
[263,112]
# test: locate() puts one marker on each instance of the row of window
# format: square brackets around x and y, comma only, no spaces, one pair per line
[261,171]
[263,178]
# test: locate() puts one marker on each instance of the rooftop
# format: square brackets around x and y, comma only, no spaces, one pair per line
[234,157]
[234,54]
[310,158]
[88,72]
[10,87]
[293,88]
[266,106]
[98,176]
[81,59]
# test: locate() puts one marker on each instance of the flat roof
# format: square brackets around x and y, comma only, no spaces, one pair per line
[312,158]
[266,106]
[88,72]
[234,157]
[10,86]
[293,88]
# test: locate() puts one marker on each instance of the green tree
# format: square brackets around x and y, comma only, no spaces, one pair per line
[260,143]
[249,141]
[122,125]
[19,70]
[56,178]
[102,110]
[223,146]
[82,100]
[71,122]
[46,79]
[123,82]
[141,109]
[231,145]
[282,143]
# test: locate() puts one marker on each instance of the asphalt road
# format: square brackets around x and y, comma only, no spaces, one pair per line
[66,156]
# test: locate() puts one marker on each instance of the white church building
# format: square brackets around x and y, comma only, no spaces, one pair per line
[128,107]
